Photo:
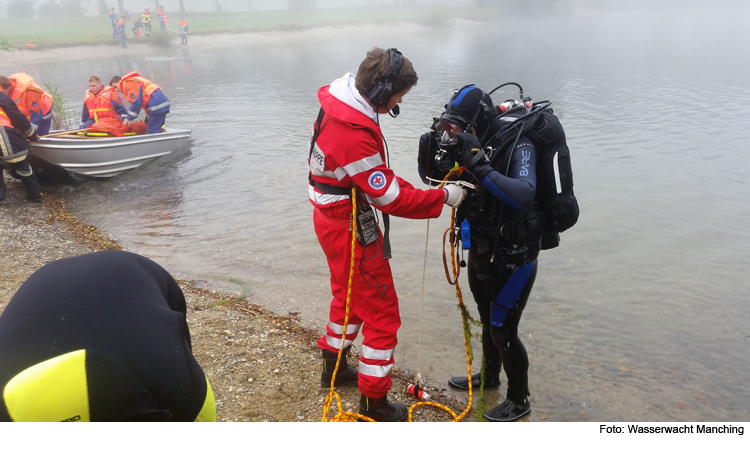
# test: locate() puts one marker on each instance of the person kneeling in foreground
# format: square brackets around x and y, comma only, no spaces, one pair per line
[347,151]
[100,337]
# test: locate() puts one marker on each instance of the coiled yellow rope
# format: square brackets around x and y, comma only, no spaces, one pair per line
[342,416]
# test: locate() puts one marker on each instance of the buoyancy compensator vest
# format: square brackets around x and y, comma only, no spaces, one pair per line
[554,201]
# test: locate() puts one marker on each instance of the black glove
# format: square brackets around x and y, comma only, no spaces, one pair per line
[472,155]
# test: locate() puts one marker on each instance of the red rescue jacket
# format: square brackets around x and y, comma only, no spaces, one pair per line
[349,151]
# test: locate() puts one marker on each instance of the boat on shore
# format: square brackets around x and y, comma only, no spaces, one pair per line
[99,157]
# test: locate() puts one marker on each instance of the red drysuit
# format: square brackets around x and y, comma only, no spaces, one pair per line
[349,150]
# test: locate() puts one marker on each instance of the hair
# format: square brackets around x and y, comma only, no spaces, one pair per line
[95,78]
[5,82]
[376,65]
[115,79]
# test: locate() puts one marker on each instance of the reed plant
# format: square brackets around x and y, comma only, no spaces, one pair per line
[5,44]
[63,118]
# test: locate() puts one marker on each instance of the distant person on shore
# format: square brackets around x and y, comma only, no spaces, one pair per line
[101,102]
[143,94]
[121,32]
[137,26]
[183,31]
[146,17]
[161,16]
[113,22]
[347,152]
[16,131]
[33,101]
[100,337]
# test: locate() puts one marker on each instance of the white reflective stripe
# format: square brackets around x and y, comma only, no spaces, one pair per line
[159,106]
[34,126]
[339,329]
[323,174]
[50,115]
[390,195]
[324,199]
[558,184]
[339,173]
[381,355]
[363,165]
[336,343]
[375,371]
[24,173]
[132,114]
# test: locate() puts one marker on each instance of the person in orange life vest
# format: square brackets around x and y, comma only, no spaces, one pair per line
[121,31]
[15,131]
[146,18]
[137,26]
[183,31]
[161,16]
[100,102]
[141,93]
[33,101]
[348,151]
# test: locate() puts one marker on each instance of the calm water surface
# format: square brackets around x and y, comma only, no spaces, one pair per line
[641,314]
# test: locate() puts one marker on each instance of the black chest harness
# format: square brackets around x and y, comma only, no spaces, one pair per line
[367,226]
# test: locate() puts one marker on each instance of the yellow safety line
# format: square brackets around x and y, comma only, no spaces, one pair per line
[342,416]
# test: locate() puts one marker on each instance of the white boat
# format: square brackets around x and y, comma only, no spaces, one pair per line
[104,157]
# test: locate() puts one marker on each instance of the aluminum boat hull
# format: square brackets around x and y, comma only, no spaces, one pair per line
[107,157]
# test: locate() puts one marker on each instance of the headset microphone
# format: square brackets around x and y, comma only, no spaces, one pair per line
[394,112]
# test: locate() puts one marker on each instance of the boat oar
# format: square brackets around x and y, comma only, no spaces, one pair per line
[62,133]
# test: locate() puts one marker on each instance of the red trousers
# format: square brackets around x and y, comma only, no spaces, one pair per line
[373,306]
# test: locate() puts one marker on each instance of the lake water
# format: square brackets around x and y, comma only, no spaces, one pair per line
[642,313]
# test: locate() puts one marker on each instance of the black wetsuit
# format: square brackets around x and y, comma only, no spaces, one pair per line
[501,286]
[128,314]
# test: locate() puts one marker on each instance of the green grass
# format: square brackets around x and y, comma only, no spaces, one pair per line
[92,30]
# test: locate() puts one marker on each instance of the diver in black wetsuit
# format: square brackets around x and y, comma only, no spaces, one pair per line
[100,337]
[502,264]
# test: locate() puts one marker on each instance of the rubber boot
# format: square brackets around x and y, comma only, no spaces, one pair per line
[346,375]
[515,406]
[32,188]
[381,410]
[491,380]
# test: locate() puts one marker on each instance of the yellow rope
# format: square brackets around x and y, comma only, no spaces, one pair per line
[342,416]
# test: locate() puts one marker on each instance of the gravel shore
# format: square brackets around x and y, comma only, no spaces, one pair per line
[262,366]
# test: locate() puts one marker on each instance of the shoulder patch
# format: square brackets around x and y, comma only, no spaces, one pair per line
[377,180]
[132,95]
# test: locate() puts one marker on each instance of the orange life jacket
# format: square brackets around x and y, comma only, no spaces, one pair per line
[100,105]
[121,22]
[183,22]
[129,87]
[29,96]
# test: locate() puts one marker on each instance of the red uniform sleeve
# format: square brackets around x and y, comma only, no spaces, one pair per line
[387,192]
